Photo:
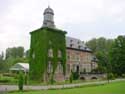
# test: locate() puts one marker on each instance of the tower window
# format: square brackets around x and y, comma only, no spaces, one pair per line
[49,67]
[50,52]
[59,53]
[33,55]
[59,68]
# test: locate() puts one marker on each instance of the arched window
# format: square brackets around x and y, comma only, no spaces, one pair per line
[59,53]
[50,52]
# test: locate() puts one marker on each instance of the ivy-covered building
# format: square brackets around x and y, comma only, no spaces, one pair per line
[53,55]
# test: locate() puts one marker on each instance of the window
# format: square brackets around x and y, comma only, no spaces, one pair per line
[33,55]
[71,40]
[71,45]
[59,53]
[78,42]
[50,53]
[59,68]
[49,67]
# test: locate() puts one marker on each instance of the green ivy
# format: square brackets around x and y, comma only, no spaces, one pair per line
[42,40]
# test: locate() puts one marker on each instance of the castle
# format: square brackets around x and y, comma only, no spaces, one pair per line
[53,55]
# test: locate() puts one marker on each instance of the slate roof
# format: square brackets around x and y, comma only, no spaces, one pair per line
[77,44]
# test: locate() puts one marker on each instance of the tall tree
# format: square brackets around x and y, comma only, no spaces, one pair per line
[15,52]
[117,55]
[101,48]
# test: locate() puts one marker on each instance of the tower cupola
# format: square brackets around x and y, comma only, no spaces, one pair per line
[48,18]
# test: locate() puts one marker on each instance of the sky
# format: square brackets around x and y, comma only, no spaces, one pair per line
[82,19]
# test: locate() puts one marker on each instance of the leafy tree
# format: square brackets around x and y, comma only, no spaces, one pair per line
[15,52]
[92,44]
[101,48]
[117,55]
[2,64]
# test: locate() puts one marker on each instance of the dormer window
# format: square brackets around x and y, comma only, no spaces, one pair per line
[71,45]
[78,42]
[59,68]
[50,52]
[79,47]
[71,41]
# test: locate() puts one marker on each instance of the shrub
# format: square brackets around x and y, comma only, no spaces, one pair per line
[25,79]
[4,80]
[110,76]
[71,77]
[21,81]
[123,75]
[75,75]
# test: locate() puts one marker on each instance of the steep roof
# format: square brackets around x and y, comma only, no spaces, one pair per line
[76,44]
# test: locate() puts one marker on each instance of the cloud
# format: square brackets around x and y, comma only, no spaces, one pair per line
[82,19]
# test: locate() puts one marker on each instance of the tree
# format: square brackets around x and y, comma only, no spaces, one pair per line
[101,48]
[2,64]
[21,81]
[117,55]
[92,44]
[15,52]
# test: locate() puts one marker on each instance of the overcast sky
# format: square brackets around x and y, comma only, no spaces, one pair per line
[83,19]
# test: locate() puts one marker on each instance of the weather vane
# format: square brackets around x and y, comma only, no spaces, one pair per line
[48,3]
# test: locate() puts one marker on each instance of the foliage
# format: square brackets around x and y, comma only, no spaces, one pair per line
[21,81]
[15,52]
[75,75]
[123,75]
[71,77]
[101,48]
[3,65]
[26,79]
[42,40]
[117,55]
[110,76]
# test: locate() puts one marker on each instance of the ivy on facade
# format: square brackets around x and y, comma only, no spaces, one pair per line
[43,40]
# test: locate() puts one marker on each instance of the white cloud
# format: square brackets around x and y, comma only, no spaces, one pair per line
[82,19]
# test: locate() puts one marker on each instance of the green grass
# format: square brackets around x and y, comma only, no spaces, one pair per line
[112,88]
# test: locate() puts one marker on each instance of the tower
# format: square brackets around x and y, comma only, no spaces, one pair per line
[48,18]
[47,50]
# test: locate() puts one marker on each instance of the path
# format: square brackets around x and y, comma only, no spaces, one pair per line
[38,87]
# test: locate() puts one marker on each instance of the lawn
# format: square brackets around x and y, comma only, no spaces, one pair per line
[112,88]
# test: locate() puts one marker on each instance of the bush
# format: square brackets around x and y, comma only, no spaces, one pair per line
[111,76]
[75,75]
[71,77]
[26,79]
[21,81]
[123,75]
[4,80]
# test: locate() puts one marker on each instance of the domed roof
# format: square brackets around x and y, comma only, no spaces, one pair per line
[49,10]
